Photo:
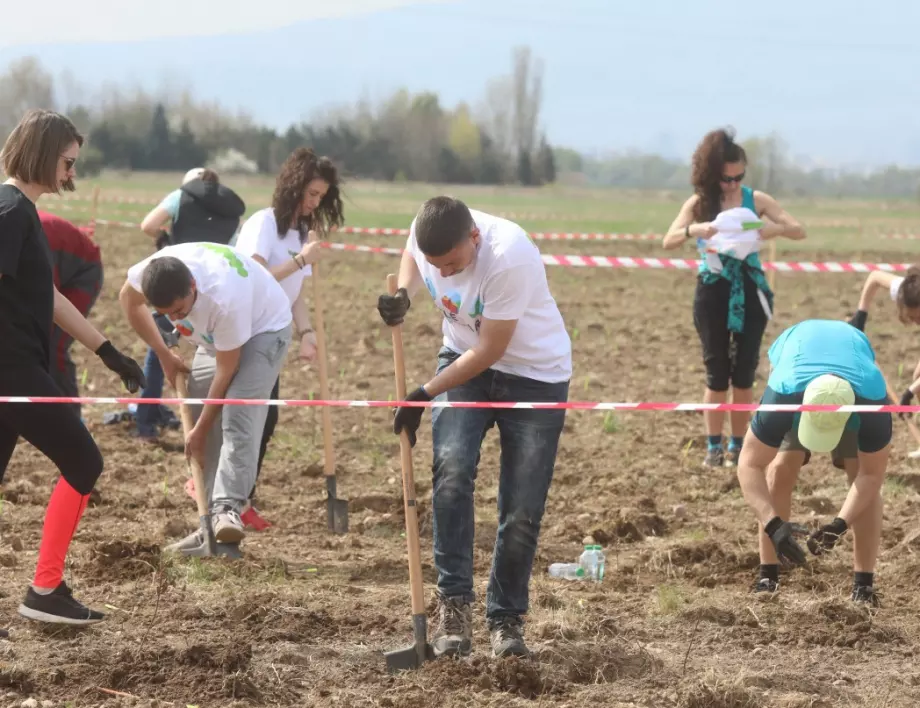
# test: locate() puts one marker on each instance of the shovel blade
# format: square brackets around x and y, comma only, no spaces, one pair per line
[336,509]
[408,659]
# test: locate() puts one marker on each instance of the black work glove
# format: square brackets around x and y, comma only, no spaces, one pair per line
[826,537]
[410,417]
[859,320]
[783,534]
[906,398]
[162,240]
[131,374]
[393,308]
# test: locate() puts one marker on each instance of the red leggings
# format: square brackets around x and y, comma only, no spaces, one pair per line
[57,432]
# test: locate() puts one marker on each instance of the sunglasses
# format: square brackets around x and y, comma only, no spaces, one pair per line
[69,162]
[736,178]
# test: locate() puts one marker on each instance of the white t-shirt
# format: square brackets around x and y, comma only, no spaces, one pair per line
[259,237]
[506,281]
[237,297]
[895,286]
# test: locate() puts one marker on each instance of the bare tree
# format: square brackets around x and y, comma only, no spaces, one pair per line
[527,95]
[25,85]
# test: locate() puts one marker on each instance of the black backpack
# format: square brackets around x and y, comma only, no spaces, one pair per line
[208,212]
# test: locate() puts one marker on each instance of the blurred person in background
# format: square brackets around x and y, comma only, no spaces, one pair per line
[78,275]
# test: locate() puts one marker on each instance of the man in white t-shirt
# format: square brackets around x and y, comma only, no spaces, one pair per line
[240,319]
[504,340]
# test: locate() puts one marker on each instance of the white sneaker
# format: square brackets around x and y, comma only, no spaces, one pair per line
[228,527]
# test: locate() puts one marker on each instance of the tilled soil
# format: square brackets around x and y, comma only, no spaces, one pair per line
[304,618]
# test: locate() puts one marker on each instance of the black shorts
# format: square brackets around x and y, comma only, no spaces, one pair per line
[730,358]
[873,430]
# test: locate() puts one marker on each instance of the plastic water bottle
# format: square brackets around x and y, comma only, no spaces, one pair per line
[568,571]
[592,560]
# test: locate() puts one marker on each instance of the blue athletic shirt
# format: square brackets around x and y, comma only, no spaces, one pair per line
[814,347]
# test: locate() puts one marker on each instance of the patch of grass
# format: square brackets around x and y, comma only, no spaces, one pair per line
[611,423]
[670,599]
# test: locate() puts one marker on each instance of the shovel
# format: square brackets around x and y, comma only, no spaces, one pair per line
[336,509]
[421,651]
[210,547]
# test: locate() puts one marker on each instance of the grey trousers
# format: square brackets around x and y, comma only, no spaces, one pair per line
[232,448]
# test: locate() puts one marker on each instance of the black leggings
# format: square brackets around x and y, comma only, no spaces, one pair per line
[271,420]
[710,316]
[52,428]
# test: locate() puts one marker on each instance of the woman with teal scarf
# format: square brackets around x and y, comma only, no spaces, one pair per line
[729,306]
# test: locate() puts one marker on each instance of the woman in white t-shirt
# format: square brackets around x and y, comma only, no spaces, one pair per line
[904,292]
[282,238]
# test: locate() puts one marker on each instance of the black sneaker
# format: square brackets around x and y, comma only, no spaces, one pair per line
[507,634]
[766,585]
[864,594]
[58,607]
[454,635]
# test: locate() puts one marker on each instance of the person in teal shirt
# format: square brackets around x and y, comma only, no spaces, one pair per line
[818,362]
[728,314]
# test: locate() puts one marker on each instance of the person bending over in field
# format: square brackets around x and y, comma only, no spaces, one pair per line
[729,316]
[504,340]
[905,293]
[818,362]
[202,209]
[240,319]
[78,275]
[306,197]
[39,158]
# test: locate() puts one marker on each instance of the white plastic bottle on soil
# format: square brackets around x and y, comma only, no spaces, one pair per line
[568,571]
[592,560]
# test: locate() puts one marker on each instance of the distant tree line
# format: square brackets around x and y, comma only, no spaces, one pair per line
[770,168]
[407,137]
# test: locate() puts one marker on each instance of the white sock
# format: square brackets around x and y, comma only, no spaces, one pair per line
[42,591]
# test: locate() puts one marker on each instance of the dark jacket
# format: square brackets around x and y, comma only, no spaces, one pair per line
[207,212]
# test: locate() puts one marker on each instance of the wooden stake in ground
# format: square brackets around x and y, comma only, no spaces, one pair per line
[336,509]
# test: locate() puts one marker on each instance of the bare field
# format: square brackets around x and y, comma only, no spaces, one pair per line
[304,618]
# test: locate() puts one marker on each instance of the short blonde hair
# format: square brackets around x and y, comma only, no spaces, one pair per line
[32,150]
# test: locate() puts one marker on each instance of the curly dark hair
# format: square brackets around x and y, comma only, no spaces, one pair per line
[301,167]
[717,148]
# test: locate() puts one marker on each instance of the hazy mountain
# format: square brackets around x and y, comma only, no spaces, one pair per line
[836,80]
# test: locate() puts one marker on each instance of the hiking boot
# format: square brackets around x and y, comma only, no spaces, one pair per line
[454,635]
[715,457]
[864,594]
[58,607]
[228,527]
[507,634]
[765,585]
[731,456]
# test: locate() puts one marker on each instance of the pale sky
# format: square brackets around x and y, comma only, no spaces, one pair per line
[53,21]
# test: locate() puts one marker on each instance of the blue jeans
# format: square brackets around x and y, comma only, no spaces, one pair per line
[529,441]
[150,415]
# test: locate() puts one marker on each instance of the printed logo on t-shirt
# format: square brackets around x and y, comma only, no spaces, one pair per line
[451,303]
[231,257]
[184,328]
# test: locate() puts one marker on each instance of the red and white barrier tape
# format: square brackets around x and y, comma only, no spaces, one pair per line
[663,263]
[536,235]
[568,405]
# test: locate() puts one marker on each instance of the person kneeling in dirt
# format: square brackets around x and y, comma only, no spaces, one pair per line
[504,341]
[818,362]
[239,316]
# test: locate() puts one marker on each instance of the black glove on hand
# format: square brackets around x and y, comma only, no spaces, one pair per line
[826,537]
[783,534]
[906,398]
[131,374]
[410,417]
[162,240]
[859,320]
[393,308]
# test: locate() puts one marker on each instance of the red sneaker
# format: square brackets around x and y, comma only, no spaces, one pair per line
[253,520]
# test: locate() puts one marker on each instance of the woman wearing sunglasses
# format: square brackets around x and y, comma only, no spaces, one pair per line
[728,311]
[38,158]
